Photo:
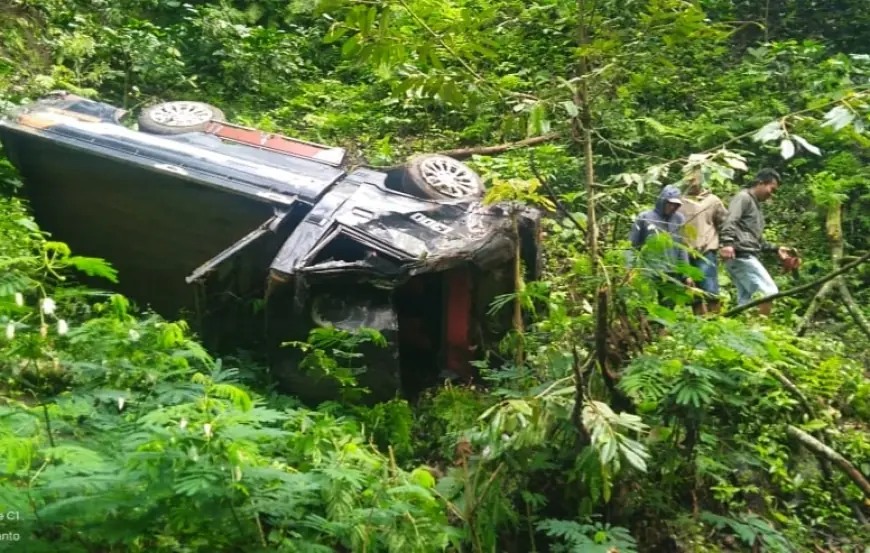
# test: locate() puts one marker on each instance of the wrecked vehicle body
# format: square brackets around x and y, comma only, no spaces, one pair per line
[261,238]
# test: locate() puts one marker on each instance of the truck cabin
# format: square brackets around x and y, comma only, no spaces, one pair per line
[258,238]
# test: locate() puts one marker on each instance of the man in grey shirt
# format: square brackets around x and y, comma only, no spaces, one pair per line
[742,242]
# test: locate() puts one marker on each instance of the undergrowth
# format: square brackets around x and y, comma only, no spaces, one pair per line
[119,432]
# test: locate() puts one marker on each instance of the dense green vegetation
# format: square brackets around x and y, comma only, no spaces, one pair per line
[119,432]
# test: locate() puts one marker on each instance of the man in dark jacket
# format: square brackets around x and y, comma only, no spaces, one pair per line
[664,218]
[742,242]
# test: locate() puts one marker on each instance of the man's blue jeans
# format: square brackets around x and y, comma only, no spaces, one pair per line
[750,277]
[708,265]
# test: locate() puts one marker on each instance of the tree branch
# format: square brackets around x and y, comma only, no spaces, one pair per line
[441,41]
[792,387]
[798,289]
[461,153]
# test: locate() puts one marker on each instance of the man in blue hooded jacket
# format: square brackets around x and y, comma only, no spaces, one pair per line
[664,218]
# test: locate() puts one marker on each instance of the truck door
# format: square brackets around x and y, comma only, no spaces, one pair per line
[229,288]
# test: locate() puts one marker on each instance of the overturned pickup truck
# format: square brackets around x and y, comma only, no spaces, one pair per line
[260,238]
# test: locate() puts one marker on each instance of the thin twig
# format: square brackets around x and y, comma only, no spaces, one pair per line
[815,304]
[485,488]
[624,149]
[792,387]
[858,92]
[552,194]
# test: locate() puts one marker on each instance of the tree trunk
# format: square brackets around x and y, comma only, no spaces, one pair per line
[582,101]
[582,132]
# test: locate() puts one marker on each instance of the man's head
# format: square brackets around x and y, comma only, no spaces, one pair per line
[669,200]
[693,182]
[671,207]
[764,184]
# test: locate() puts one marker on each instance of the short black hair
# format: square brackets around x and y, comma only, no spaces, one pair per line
[764,176]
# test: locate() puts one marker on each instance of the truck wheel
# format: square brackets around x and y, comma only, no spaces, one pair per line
[326,312]
[178,117]
[437,177]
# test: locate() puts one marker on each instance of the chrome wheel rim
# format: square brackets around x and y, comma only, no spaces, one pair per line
[181,114]
[449,177]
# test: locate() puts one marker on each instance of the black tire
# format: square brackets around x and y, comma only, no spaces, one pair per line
[153,120]
[438,177]
[325,309]
[320,311]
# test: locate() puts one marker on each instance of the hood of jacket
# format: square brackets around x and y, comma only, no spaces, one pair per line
[668,193]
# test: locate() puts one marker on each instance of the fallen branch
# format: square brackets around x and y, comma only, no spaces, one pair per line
[824,452]
[798,289]
[463,153]
[824,462]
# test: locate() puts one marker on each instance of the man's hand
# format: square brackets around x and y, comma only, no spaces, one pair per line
[727,252]
[690,283]
[789,259]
